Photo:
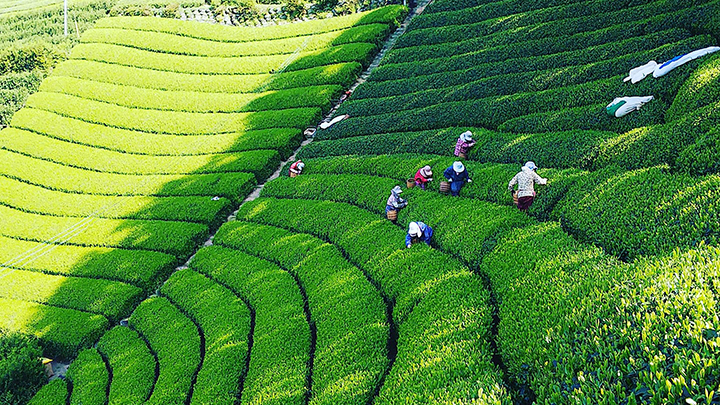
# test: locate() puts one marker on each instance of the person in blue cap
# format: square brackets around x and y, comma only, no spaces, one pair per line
[457,176]
[418,232]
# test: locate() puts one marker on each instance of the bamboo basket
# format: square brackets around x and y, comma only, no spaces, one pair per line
[392,215]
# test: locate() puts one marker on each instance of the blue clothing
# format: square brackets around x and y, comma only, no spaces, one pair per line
[427,233]
[390,208]
[455,187]
[458,179]
[451,174]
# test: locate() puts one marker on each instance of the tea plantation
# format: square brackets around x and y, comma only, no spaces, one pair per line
[136,149]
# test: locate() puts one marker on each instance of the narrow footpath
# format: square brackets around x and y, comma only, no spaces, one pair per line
[389,44]
[60,368]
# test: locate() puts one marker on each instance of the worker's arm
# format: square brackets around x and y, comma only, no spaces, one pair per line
[513,182]
[408,240]
[538,179]
[427,234]
[448,174]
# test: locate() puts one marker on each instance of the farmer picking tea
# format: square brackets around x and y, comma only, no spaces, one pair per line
[395,203]
[296,168]
[463,145]
[457,176]
[423,176]
[525,181]
[418,232]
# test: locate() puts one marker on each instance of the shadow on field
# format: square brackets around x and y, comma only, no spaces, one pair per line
[146,255]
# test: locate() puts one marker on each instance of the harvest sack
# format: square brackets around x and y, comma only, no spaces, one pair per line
[623,105]
[640,72]
[683,59]
[326,125]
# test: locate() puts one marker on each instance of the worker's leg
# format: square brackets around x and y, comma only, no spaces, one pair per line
[455,187]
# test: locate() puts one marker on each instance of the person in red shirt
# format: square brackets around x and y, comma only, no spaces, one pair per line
[423,176]
[296,168]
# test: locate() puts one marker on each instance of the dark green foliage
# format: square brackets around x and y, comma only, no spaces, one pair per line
[642,212]
[14,90]
[663,144]
[224,321]
[89,377]
[702,88]
[347,311]
[525,74]
[132,365]
[27,58]
[590,117]
[428,111]
[575,322]
[21,372]
[701,158]
[53,393]
[452,337]
[600,19]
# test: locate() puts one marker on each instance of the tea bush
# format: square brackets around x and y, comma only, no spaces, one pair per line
[132,365]
[421,313]
[348,313]
[175,341]
[278,366]
[89,378]
[224,322]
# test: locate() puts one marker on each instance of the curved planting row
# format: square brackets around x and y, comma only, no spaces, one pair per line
[224,324]
[549,67]
[105,185]
[351,336]
[573,323]
[15,6]
[132,364]
[678,212]
[280,353]
[176,343]
[440,309]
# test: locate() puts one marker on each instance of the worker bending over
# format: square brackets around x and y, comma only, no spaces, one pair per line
[395,202]
[423,176]
[296,168]
[463,145]
[418,232]
[457,176]
[525,181]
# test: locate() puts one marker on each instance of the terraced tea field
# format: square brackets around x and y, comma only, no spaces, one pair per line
[137,148]
[606,292]
[109,183]
[14,6]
